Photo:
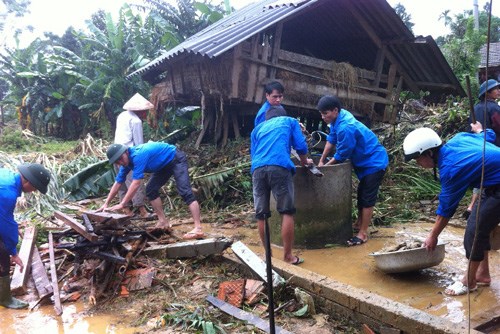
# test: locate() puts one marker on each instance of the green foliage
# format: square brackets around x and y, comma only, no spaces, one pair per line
[187,319]
[92,181]
[76,84]
[405,17]
[13,140]
[461,46]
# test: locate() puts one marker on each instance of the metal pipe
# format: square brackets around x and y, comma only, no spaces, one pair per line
[269,274]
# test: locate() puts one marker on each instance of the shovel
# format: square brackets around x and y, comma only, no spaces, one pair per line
[312,168]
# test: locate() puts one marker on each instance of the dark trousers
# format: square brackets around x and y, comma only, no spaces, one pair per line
[4,260]
[489,213]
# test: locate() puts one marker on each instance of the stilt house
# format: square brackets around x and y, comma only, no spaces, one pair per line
[359,50]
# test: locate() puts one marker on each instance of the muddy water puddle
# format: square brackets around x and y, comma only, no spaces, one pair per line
[73,320]
[421,289]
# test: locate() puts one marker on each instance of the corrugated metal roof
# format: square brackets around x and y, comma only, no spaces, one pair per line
[494,58]
[342,30]
[224,34]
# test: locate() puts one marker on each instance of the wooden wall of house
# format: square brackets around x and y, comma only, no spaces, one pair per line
[229,88]
[306,79]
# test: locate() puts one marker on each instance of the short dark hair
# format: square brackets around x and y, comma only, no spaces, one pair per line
[274,85]
[328,102]
[275,111]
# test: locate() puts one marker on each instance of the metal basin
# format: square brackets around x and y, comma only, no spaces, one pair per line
[408,260]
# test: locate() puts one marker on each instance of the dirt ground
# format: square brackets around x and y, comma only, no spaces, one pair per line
[176,303]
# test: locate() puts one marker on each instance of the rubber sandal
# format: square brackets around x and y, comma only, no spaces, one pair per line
[458,289]
[297,261]
[355,241]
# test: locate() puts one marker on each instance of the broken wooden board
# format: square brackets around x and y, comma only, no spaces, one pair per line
[100,217]
[244,315]
[71,222]
[189,249]
[19,279]
[53,275]
[255,263]
[39,274]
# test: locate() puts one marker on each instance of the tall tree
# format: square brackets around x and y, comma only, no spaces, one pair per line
[401,11]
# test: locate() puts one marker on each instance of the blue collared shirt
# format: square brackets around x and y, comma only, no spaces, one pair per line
[460,163]
[10,190]
[272,140]
[146,158]
[354,141]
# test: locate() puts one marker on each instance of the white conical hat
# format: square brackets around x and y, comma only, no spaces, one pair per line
[137,102]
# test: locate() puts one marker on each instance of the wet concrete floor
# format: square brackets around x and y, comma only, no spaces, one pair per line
[350,265]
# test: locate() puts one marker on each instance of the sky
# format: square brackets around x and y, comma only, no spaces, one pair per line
[57,15]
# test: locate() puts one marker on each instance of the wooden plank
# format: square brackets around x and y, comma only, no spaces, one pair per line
[262,73]
[53,275]
[235,72]
[187,249]
[75,226]
[321,64]
[276,48]
[252,71]
[39,274]
[255,263]
[19,279]
[100,217]
[244,315]
[370,32]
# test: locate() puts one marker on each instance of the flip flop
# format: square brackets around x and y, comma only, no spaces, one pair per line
[297,261]
[355,241]
[483,283]
[191,235]
[458,289]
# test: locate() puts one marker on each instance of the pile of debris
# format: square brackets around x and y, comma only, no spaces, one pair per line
[103,255]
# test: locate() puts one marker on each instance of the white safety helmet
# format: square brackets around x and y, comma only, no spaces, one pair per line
[419,141]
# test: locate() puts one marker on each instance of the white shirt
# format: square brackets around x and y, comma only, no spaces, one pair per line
[128,129]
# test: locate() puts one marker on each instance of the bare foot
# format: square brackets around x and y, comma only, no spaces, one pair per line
[195,233]
[128,212]
[165,225]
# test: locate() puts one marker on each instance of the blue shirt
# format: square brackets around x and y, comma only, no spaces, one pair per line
[146,158]
[10,190]
[460,162]
[272,140]
[261,114]
[492,120]
[354,141]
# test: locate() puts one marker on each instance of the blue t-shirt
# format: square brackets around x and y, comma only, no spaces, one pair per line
[10,190]
[272,140]
[146,158]
[460,163]
[354,141]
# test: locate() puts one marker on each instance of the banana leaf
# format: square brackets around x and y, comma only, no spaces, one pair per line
[92,181]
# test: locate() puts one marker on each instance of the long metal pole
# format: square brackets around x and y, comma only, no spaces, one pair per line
[269,270]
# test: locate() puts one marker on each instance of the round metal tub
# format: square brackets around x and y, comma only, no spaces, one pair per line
[408,260]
